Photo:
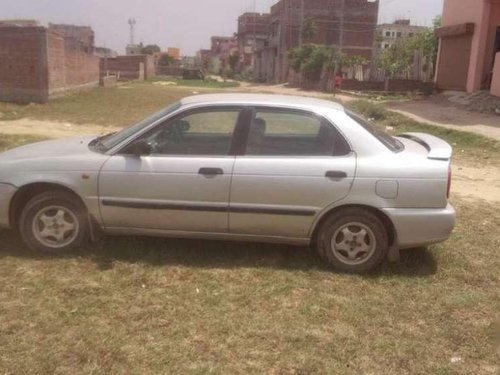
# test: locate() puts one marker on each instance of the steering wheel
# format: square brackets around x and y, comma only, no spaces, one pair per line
[171,138]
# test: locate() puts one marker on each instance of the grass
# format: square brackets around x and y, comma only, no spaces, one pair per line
[113,106]
[206,83]
[144,305]
[134,305]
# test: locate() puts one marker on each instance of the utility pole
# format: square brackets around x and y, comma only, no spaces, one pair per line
[254,26]
[301,32]
[341,36]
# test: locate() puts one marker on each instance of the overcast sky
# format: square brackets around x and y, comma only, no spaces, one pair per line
[187,24]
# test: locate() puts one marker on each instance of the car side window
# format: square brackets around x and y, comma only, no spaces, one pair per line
[205,132]
[293,133]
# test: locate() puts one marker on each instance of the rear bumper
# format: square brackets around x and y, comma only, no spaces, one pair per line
[420,227]
[6,193]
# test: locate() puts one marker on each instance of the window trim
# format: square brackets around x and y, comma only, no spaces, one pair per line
[289,110]
[183,113]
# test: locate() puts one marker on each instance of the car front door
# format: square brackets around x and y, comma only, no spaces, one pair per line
[295,164]
[182,184]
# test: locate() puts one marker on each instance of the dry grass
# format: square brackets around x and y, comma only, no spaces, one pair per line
[135,305]
[113,106]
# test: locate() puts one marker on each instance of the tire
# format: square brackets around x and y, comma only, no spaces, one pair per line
[352,240]
[54,222]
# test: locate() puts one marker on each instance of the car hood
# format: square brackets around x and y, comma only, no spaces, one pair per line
[55,155]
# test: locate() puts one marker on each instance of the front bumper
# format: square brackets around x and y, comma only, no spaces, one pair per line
[6,193]
[420,227]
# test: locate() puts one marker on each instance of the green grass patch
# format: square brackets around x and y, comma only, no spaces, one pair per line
[113,106]
[368,109]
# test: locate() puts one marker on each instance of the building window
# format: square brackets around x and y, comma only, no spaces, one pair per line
[386,46]
[387,33]
[399,34]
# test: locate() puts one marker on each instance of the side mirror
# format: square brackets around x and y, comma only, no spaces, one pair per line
[139,148]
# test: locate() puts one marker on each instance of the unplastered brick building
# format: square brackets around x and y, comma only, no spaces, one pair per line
[348,25]
[253,31]
[38,63]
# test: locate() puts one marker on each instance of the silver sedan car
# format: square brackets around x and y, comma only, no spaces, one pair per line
[266,168]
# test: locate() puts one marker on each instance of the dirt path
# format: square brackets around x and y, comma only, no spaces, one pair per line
[449,117]
[471,182]
[284,90]
[50,129]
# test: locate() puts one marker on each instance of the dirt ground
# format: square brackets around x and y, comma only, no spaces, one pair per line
[449,117]
[50,129]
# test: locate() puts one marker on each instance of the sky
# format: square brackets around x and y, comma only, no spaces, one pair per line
[186,24]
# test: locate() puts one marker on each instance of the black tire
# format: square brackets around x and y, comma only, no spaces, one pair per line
[376,240]
[54,202]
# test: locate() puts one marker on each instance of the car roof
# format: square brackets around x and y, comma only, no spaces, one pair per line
[269,100]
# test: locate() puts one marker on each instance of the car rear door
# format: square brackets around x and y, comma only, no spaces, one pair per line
[183,185]
[295,164]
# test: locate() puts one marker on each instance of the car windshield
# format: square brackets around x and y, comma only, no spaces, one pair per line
[390,142]
[109,141]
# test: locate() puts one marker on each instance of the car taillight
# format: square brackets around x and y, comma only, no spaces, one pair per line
[449,182]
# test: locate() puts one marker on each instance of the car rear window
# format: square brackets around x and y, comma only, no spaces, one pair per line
[387,140]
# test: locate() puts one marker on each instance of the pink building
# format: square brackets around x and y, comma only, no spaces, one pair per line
[469,46]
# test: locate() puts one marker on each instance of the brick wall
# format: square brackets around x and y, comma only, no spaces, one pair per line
[69,68]
[129,67]
[36,65]
[23,65]
[55,62]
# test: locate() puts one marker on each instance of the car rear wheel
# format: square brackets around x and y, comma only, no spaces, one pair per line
[54,222]
[352,240]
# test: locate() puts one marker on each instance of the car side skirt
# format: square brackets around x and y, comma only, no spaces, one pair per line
[207,236]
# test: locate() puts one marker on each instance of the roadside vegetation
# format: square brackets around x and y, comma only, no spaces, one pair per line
[143,305]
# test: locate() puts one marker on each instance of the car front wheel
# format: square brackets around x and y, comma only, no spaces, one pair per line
[54,222]
[352,240]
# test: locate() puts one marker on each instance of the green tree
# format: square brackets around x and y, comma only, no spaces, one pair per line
[396,59]
[150,49]
[428,42]
[165,60]
[234,59]
[312,59]
[309,29]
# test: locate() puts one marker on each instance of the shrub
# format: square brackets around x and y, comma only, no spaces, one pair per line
[368,109]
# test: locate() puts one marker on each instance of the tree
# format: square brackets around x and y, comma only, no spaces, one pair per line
[396,59]
[150,49]
[428,42]
[165,60]
[234,59]
[312,59]
[309,29]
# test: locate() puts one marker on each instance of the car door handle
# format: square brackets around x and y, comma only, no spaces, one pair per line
[336,174]
[210,171]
